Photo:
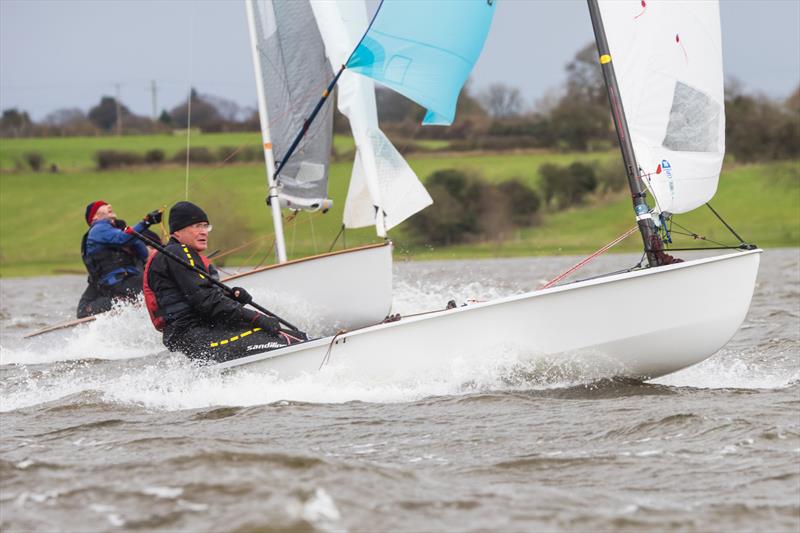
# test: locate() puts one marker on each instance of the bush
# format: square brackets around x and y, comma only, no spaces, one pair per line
[35,160]
[198,155]
[523,202]
[759,129]
[154,157]
[610,175]
[563,187]
[244,154]
[107,159]
[467,208]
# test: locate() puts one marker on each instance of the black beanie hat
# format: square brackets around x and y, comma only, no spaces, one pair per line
[185,214]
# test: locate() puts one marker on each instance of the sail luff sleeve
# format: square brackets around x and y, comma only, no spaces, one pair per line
[425,50]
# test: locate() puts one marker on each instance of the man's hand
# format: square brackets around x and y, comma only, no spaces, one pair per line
[119,224]
[241,295]
[153,217]
[267,323]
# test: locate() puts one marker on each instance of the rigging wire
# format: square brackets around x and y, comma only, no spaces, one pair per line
[189,103]
[188,143]
[313,234]
[335,239]
[726,224]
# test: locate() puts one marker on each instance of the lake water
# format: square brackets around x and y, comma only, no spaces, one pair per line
[98,433]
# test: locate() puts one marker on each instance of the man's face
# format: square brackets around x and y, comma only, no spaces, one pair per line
[104,212]
[194,236]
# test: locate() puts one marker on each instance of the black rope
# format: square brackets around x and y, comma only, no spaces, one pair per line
[725,223]
[697,236]
[341,231]
[743,246]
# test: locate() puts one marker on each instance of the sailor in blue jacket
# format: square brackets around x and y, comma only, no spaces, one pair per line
[114,259]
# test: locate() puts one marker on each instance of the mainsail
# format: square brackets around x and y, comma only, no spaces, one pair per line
[384,190]
[425,50]
[668,58]
[294,68]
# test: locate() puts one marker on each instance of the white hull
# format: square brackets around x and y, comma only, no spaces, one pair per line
[641,325]
[322,294]
[325,293]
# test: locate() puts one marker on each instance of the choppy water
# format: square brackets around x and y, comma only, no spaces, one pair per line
[99,434]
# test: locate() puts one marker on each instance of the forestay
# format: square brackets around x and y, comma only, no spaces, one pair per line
[294,71]
[384,190]
[668,61]
[425,50]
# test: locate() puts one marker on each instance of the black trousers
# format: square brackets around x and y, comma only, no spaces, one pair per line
[223,343]
[96,300]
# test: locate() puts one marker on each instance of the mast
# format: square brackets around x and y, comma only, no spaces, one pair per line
[650,237]
[269,157]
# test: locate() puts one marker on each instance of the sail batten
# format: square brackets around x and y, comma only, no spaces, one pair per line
[668,59]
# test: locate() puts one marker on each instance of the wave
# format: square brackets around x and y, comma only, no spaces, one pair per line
[171,382]
[124,333]
[739,369]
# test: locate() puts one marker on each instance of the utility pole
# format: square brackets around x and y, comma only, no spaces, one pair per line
[119,114]
[155,106]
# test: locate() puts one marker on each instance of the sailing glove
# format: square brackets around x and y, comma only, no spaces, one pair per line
[153,217]
[267,323]
[241,295]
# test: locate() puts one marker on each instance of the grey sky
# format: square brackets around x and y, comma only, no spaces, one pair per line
[66,53]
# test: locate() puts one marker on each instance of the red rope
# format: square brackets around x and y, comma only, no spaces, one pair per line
[584,261]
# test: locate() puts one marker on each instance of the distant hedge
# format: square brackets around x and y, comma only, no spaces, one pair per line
[199,155]
[468,208]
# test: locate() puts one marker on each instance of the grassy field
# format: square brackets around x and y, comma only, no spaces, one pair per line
[41,214]
[77,153]
[761,202]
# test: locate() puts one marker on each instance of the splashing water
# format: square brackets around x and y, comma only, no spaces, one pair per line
[170,382]
[125,332]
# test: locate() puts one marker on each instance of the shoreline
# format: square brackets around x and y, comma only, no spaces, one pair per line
[434,257]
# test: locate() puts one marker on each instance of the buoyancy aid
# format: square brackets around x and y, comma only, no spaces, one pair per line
[171,302]
[106,260]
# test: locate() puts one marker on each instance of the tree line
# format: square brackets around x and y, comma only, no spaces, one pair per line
[575,117]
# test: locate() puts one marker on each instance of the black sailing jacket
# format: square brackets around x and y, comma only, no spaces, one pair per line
[187,299]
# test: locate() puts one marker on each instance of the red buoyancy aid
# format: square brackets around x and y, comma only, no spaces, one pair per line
[156,316]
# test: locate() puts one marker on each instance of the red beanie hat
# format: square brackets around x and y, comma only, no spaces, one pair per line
[91,210]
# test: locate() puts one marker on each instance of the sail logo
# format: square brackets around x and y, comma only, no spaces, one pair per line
[667,168]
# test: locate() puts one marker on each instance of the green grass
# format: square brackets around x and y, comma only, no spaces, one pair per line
[41,214]
[71,153]
[760,201]
[77,153]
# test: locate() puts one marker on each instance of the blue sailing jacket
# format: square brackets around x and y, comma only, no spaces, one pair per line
[103,235]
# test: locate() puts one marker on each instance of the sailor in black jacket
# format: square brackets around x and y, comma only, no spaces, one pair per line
[197,317]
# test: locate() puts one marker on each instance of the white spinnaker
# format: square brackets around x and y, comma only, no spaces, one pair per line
[668,61]
[384,190]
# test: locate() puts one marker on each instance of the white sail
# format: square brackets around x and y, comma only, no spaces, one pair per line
[668,60]
[384,190]
[293,69]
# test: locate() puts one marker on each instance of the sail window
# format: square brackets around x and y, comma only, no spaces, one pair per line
[694,121]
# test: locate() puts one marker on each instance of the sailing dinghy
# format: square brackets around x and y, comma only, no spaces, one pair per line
[293,46]
[643,323]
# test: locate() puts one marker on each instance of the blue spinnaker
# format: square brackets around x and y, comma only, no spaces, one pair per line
[425,50]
